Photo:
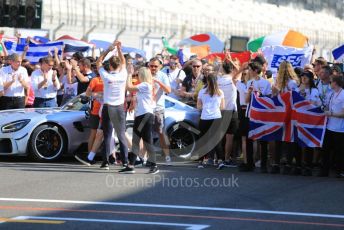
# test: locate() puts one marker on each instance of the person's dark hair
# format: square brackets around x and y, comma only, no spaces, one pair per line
[227,66]
[106,65]
[86,62]
[339,80]
[46,60]
[92,59]
[260,59]
[30,68]
[174,57]
[154,59]
[327,69]
[78,56]
[256,67]
[114,62]
[268,74]
[212,87]
[309,75]
[299,71]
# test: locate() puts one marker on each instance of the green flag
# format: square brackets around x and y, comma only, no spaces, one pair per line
[168,47]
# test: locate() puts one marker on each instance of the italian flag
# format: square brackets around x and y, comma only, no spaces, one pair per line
[283,38]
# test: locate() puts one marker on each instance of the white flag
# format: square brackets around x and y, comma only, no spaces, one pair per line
[276,54]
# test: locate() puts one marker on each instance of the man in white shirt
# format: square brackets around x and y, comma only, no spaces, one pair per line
[175,76]
[161,87]
[15,82]
[334,135]
[45,84]
[113,115]
[263,87]
[230,112]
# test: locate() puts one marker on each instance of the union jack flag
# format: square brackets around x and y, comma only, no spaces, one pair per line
[287,117]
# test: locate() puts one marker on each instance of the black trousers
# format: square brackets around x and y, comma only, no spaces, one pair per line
[263,151]
[143,127]
[292,151]
[114,117]
[12,103]
[333,146]
[211,134]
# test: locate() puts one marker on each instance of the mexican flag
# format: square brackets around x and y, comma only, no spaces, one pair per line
[289,38]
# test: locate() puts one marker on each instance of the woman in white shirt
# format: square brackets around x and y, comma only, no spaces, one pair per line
[307,88]
[334,135]
[286,80]
[211,102]
[143,122]
[309,91]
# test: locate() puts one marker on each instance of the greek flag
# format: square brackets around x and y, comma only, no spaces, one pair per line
[35,51]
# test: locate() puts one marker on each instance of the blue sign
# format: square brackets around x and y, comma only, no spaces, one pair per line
[294,59]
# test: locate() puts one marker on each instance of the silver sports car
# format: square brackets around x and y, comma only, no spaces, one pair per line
[46,134]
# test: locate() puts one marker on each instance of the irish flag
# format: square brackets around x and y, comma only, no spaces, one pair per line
[283,38]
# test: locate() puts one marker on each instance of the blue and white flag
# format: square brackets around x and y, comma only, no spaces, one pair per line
[35,51]
[338,53]
[276,54]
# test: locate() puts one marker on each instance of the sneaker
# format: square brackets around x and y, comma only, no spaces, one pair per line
[168,160]
[221,166]
[307,172]
[287,170]
[148,164]
[264,169]
[210,162]
[200,165]
[112,160]
[139,162]
[105,166]
[275,169]
[230,164]
[84,160]
[297,171]
[127,170]
[153,170]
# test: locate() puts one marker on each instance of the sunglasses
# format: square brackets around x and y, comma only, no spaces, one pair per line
[196,66]
[153,66]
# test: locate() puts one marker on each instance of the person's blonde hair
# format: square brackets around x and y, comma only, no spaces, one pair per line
[285,73]
[145,75]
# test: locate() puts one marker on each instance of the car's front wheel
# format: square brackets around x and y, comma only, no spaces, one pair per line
[182,140]
[47,143]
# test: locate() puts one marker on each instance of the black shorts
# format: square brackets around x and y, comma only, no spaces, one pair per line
[244,127]
[234,121]
[94,121]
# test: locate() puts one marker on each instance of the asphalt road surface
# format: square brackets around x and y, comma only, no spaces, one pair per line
[67,195]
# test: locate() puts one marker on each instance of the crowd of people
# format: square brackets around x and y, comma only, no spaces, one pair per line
[221,90]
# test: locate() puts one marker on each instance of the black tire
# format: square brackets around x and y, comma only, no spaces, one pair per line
[182,140]
[47,143]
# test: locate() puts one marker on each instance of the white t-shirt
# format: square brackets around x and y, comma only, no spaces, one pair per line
[311,95]
[242,88]
[69,90]
[336,105]
[1,85]
[261,85]
[172,77]
[50,91]
[325,92]
[291,85]
[144,99]
[229,90]
[16,89]
[114,86]
[160,94]
[210,105]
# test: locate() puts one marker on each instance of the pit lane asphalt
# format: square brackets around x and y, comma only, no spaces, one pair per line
[67,195]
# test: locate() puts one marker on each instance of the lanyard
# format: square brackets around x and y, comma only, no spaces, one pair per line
[334,98]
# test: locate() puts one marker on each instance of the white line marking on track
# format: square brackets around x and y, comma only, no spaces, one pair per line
[188,226]
[336,216]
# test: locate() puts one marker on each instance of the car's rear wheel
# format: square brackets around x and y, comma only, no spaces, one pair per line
[182,140]
[47,143]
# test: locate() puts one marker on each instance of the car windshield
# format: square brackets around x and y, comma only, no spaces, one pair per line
[75,105]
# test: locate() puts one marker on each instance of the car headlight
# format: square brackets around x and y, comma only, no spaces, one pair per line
[14,126]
